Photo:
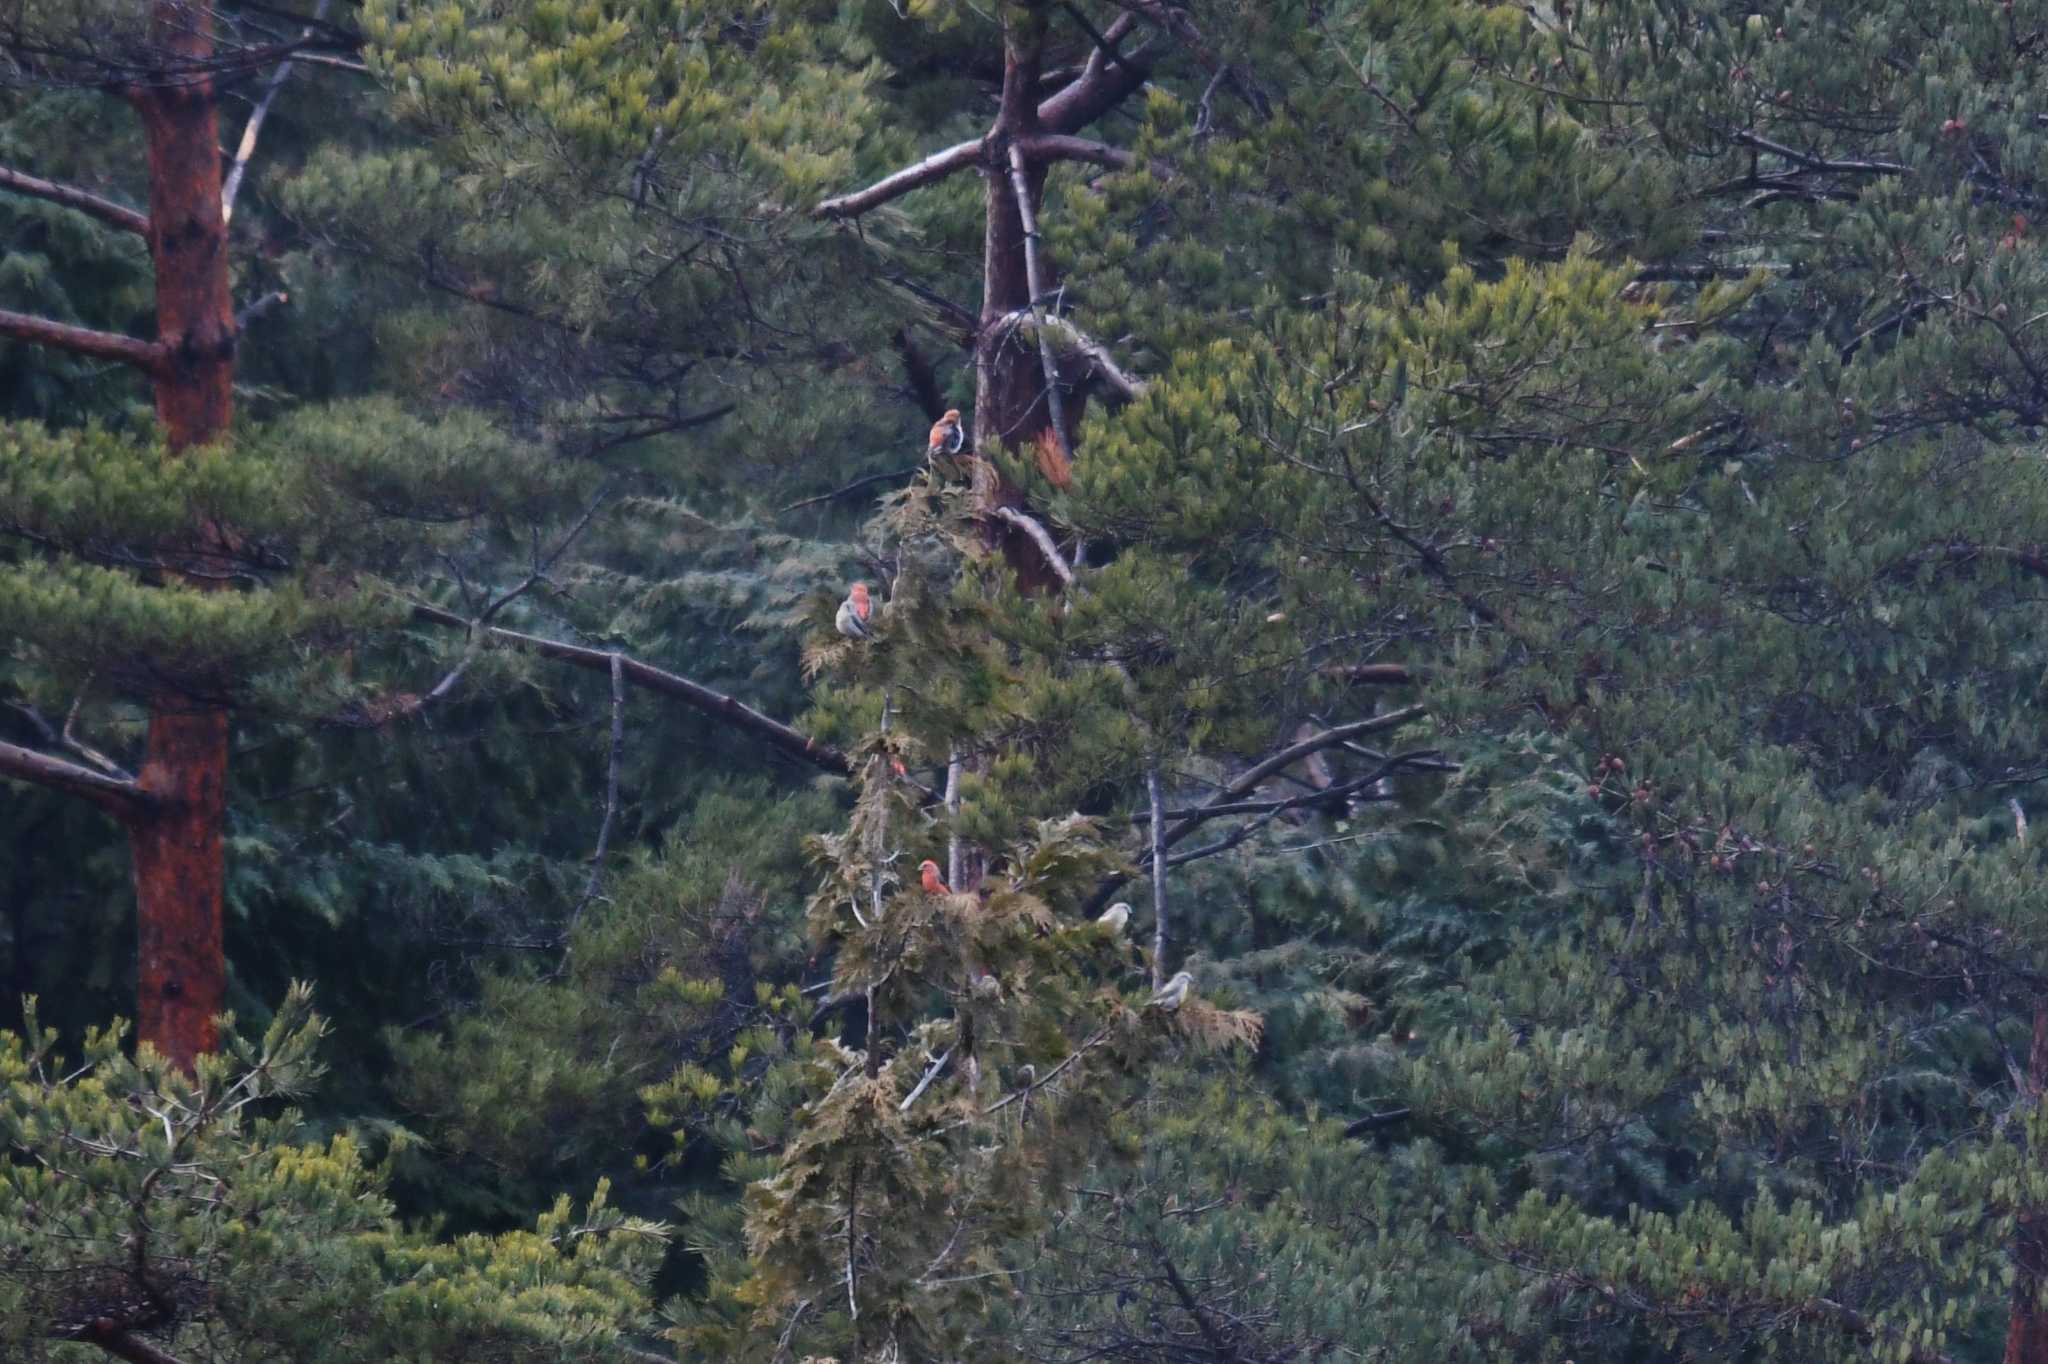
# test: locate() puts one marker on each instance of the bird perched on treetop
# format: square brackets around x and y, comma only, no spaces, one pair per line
[1116,916]
[947,437]
[1171,995]
[928,871]
[852,620]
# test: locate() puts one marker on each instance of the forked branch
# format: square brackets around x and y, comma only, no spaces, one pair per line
[120,797]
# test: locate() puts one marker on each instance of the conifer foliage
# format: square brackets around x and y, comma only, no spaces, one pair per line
[1434,758]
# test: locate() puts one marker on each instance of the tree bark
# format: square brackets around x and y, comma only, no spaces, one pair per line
[177,842]
[2026,1334]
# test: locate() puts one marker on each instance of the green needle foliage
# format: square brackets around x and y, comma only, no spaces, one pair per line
[199,1214]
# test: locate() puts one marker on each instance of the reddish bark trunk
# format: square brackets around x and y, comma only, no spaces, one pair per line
[2026,1334]
[182,976]
[177,846]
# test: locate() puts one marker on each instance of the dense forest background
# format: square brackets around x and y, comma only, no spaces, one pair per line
[1509,537]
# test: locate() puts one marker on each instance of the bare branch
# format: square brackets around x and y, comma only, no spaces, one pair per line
[276,298]
[1251,777]
[655,679]
[935,167]
[857,485]
[1034,274]
[930,1075]
[1373,674]
[1062,147]
[121,798]
[1124,384]
[97,345]
[233,183]
[1041,537]
[1159,933]
[1294,753]
[611,810]
[106,210]
[1818,163]
[129,1346]
[1102,85]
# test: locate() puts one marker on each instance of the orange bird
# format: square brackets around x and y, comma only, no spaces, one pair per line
[947,436]
[852,620]
[929,871]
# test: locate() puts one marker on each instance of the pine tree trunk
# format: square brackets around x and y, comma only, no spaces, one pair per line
[177,847]
[2026,1334]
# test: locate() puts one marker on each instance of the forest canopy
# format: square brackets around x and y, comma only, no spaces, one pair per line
[952,680]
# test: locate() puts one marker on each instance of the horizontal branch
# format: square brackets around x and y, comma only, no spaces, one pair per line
[1229,795]
[118,797]
[1101,86]
[106,210]
[1290,755]
[937,166]
[1963,552]
[97,345]
[1372,674]
[1063,147]
[659,680]
[1818,163]
[129,1346]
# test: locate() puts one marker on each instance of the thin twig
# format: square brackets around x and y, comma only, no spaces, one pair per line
[857,485]
[611,810]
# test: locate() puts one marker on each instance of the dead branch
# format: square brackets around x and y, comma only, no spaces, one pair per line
[129,1346]
[611,811]
[122,798]
[233,183]
[930,1075]
[106,210]
[1041,537]
[933,168]
[849,489]
[1034,275]
[1228,795]
[1159,933]
[1063,147]
[655,679]
[1120,381]
[146,356]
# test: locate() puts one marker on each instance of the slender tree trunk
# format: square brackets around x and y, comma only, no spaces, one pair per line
[177,846]
[2026,1334]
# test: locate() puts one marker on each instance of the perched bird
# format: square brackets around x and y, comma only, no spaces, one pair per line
[928,871]
[852,620]
[947,437]
[1116,916]
[1170,995]
[986,986]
